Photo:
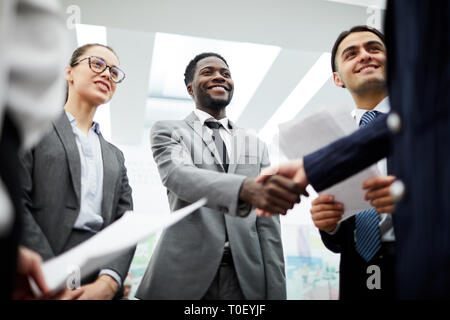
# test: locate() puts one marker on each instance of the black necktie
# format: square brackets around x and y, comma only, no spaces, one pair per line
[220,145]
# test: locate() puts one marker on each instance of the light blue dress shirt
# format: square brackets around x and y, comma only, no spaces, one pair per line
[90,218]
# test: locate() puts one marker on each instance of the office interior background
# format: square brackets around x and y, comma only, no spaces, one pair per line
[279,57]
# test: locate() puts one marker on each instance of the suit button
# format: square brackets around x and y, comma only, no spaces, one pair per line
[394,123]
[397,190]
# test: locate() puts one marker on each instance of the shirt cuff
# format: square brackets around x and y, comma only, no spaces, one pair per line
[332,233]
[113,274]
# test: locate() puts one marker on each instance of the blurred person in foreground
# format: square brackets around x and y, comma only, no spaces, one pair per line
[33,47]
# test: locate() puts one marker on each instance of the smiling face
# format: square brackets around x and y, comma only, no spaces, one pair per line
[91,87]
[360,62]
[212,86]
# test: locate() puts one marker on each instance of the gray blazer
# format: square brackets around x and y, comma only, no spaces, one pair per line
[187,256]
[52,184]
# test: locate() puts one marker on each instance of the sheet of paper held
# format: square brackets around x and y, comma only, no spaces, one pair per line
[300,137]
[108,244]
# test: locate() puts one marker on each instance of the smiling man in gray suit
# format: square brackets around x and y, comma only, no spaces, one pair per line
[222,251]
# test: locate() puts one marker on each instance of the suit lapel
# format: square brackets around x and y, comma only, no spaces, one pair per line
[237,146]
[110,172]
[201,130]
[65,133]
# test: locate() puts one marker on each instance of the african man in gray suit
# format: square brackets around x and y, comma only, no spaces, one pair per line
[223,251]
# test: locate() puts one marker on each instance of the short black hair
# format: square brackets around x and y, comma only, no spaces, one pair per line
[344,34]
[190,69]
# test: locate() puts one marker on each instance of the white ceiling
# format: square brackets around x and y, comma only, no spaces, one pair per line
[381,4]
[248,62]
[291,34]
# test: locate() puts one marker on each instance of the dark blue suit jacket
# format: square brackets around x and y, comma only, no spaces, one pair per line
[418,41]
[353,269]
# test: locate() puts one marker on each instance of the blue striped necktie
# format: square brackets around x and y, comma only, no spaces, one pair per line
[368,237]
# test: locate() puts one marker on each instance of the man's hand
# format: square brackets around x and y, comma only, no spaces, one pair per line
[292,170]
[104,288]
[379,193]
[326,213]
[28,265]
[276,195]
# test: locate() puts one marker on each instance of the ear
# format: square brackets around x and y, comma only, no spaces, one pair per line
[190,90]
[337,80]
[68,74]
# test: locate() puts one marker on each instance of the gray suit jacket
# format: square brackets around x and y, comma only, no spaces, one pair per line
[52,184]
[188,255]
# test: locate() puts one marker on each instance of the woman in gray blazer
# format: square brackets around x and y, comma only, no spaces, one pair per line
[75,182]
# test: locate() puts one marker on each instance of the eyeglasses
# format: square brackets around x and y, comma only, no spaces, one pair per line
[98,65]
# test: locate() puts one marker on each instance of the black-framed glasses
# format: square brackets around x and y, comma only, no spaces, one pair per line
[98,65]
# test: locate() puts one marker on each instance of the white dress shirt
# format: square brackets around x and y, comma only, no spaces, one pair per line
[386,227]
[224,130]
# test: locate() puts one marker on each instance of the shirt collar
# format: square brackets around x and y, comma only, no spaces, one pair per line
[383,107]
[204,116]
[73,122]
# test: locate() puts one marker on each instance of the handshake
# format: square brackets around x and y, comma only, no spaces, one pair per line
[277,189]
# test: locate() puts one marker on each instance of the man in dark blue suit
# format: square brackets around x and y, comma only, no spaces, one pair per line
[366,240]
[417,136]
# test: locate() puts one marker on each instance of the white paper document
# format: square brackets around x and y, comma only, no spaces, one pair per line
[108,244]
[301,137]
